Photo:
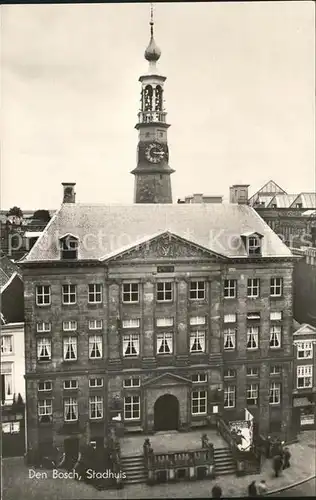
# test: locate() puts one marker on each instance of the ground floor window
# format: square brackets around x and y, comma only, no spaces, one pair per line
[45,410]
[6,382]
[307,416]
[275,393]
[252,394]
[95,407]
[70,409]
[304,376]
[199,402]
[131,407]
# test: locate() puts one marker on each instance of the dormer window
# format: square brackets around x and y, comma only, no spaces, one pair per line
[69,247]
[253,243]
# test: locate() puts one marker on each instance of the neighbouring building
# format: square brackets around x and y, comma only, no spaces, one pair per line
[304,285]
[201,198]
[304,391]
[292,216]
[162,315]
[12,358]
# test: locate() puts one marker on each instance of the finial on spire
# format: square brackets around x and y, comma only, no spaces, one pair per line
[152,53]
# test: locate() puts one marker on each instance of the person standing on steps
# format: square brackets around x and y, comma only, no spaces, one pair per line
[252,489]
[262,488]
[217,491]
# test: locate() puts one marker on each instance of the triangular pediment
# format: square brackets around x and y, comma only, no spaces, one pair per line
[305,330]
[167,379]
[165,246]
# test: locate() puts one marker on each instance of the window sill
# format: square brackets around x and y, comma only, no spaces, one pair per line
[230,298]
[42,361]
[69,304]
[43,305]
[133,303]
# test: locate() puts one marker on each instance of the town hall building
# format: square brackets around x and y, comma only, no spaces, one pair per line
[163,315]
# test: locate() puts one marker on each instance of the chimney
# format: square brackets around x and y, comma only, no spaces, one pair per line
[238,193]
[69,192]
[197,198]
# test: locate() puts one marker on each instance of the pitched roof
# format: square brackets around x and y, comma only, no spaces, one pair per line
[282,200]
[305,329]
[270,188]
[104,230]
[308,200]
[7,269]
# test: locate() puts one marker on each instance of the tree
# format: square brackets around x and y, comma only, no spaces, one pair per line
[15,211]
[42,215]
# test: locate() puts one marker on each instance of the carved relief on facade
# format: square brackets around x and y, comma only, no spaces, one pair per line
[166,247]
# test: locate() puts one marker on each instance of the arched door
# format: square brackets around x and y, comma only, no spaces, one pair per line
[166,413]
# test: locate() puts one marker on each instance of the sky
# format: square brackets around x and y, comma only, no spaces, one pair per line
[240,97]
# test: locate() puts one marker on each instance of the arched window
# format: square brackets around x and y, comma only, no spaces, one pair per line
[158,98]
[148,98]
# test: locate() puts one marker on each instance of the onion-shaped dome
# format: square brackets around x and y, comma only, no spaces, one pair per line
[153,52]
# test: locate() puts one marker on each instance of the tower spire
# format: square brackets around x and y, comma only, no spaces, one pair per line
[152,53]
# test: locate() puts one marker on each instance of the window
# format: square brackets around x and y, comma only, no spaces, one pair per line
[275,337]
[95,324]
[6,382]
[275,393]
[304,350]
[130,292]
[164,343]
[199,401]
[276,316]
[276,286]
[230,288]
[197,320]
[229,396]
[304,376]
[7,344]
[230,318]
[229,339]
[130,345]
[46,385]
[164,291]
[252,371]
[43,295]
[252,394]
[131,382]
[70,409]
[95,346]
[45,410]
[254,245]
[44,349]
[70,348]
[69,248]
[199,378]
[70,384]
[131,407]
[253,287]
[252,337]
[11,427]
[96,382]
[69,326]
[197,290]
[163,322]
[95,407]
[43,327]
[69,294]
[95,293]
[275,370]
[229,373]
[197,341]
[131,323]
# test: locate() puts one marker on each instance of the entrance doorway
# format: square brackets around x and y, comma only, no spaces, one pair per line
[166,413]
[71,449]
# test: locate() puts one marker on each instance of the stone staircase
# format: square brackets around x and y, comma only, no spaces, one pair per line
[134,469]
[224,461]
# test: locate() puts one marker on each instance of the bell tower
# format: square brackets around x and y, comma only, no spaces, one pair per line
[152,173]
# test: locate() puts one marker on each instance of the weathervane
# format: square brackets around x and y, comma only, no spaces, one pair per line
[152,19]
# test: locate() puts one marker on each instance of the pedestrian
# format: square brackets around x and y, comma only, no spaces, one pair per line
[287,456]
[252,489]
[216,491]
[262,488]
[277,465]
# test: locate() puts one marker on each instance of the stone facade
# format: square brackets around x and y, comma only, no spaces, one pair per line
[304,280]
[179,373]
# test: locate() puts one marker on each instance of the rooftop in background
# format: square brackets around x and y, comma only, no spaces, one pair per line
[273,196]
[27,215]
[7,269]
[200,198]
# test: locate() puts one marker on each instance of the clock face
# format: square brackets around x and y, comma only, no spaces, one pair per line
[154,152]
